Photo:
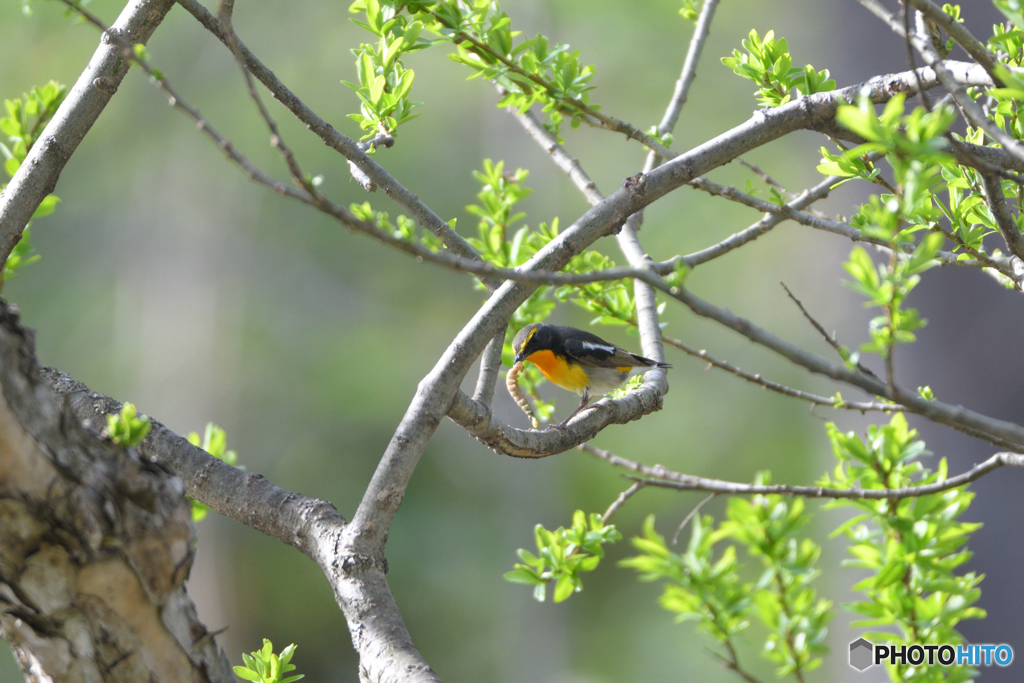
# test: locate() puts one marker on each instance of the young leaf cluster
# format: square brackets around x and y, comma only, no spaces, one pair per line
[767,63]
[697,587]
[887,286]
[403,228]
[23,254]
[689,10]
[711,592]
[25,120]
[214,442]
[562,555]
[384,82]
[531,71]
[127,428]
[263,666]
[768,526]
[915,148]
[912,546]
[26,117]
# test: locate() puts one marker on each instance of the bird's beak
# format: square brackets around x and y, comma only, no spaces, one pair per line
[520,358]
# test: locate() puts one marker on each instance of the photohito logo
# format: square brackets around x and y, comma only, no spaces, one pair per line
[864,654]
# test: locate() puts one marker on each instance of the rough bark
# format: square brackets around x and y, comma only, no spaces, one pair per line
[95,544]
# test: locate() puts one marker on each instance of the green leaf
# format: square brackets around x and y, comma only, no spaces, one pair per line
[247,674]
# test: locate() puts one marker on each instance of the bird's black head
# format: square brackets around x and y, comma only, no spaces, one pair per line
[534,337]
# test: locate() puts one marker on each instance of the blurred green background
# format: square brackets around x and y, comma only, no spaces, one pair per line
[170,280]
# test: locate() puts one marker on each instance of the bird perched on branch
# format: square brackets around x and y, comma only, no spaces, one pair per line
[578,361]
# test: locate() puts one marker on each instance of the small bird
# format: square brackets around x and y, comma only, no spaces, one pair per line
[578,361]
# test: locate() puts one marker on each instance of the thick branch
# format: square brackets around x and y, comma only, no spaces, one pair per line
[247,498]
[37,177]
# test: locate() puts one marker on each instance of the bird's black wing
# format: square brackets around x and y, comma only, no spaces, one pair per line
[589,349]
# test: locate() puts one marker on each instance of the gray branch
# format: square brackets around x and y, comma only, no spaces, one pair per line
[658,475]
[1001,212]
[343,144]
[37,177]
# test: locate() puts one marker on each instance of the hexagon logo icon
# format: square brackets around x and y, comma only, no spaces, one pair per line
[861,654]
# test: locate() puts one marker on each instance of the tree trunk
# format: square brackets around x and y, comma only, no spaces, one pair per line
[95,544]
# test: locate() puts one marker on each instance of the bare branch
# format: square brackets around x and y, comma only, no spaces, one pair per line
[490,366]
[621,499]
[768,180]
[569,164]
[37,177]
[771,219]
[691,515]
[658,475]
[814,399]
[998,432]
[689,73]
[247,498]
[477,419]
[830,339]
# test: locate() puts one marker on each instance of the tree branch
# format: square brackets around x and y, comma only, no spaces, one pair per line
[971,110]
[771,219]
[347,147]
[813,399]
[997,432]
[700,34]
[659,475]
[974,47]
[37,177]
[1001,212]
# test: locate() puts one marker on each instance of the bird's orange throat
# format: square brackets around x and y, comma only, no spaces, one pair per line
[558,371]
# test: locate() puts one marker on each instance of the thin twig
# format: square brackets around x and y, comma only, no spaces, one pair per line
[813,399]
[621,499]
[732,662]
[770,220]
[829,338]
[276,141]
[944,258]
[768,180]
[687,518]
[700,35]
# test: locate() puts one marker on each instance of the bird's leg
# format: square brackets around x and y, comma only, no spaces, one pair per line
[584,400]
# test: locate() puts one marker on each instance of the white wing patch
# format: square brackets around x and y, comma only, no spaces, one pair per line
[598,347]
